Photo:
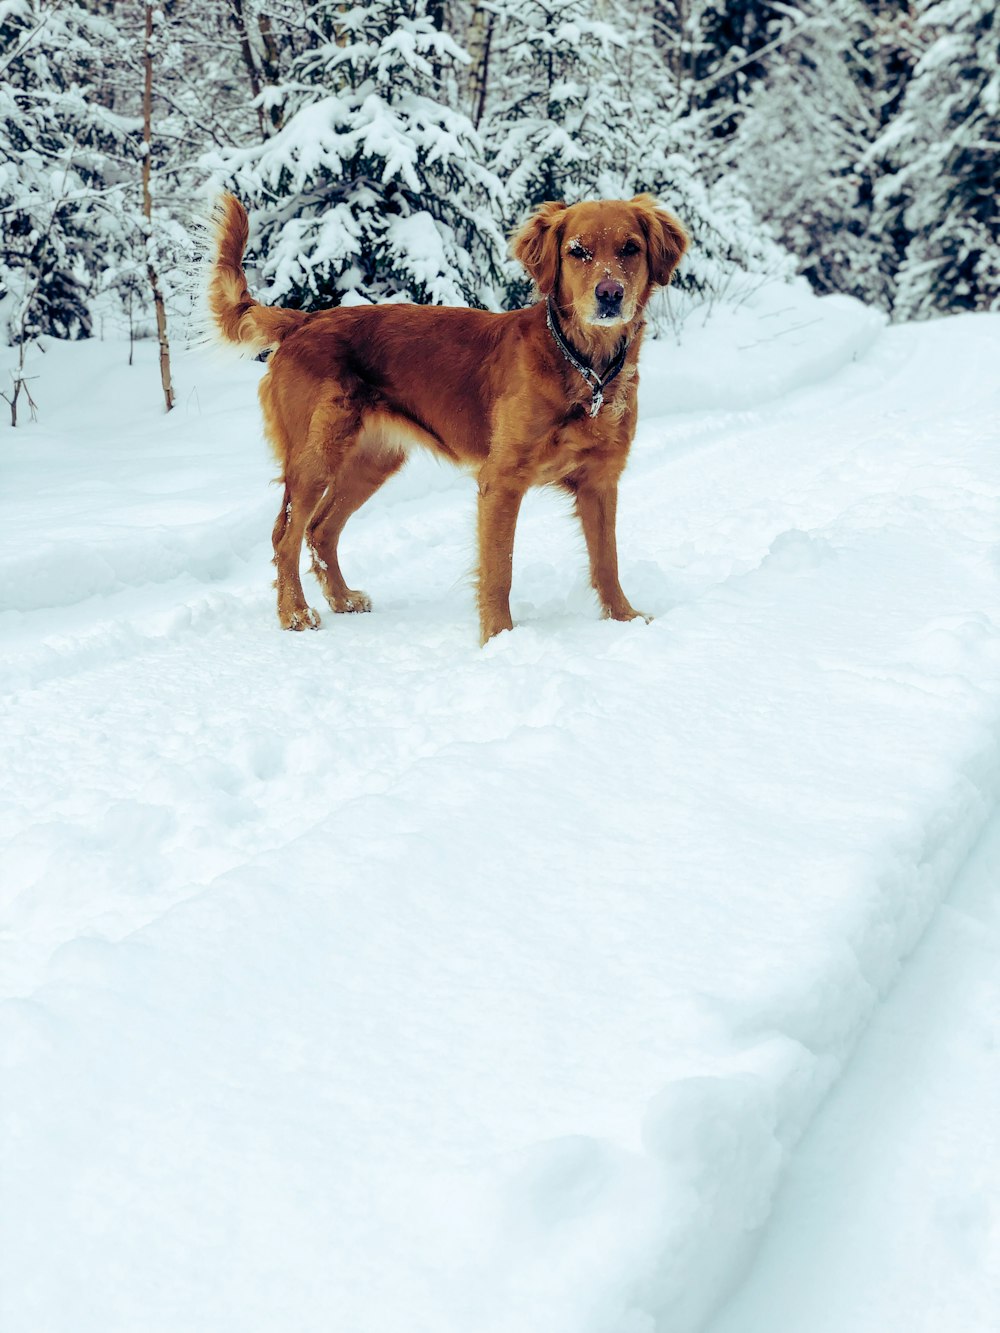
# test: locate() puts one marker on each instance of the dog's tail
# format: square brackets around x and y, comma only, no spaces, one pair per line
[236,316]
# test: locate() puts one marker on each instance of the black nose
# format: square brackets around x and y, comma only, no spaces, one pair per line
[609,292]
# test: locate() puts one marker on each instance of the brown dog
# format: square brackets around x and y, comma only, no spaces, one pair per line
[534,397]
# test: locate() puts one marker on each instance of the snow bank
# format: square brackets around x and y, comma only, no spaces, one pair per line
[366,977]
[778,338]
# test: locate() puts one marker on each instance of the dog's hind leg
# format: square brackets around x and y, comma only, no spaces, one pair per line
[309,469]
[357,481]
[299,502]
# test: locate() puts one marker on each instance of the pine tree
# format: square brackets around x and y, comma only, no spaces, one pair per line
[200,99]
[941,155]
[60,185]
[556,121]
[666,145]
[802,144]
[860,134]
[374,187]
[717,52]
[585,103]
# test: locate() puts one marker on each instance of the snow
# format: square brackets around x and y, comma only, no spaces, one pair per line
[364,978]
[782,339]
[888,1217]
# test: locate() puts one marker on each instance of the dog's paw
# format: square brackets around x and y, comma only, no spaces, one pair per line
[304,618]
[353,600]
[490,627]
[625,612]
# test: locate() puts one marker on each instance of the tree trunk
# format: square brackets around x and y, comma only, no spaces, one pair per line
[147,209]
[246,50]
[435,12]
[480,39]
[270,63]
[19,386]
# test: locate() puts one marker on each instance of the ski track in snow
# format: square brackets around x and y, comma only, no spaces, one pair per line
[366,976]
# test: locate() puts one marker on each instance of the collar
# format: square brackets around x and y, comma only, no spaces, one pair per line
[596,383]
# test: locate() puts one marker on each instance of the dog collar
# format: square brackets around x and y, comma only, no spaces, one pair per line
[596,383]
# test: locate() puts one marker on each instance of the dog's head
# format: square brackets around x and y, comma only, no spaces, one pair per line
[600,260]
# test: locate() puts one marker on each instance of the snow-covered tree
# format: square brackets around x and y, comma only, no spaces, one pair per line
[941,155]
[200,97]
[385,147]
[266,33]
[583,102]
[717,52]
[61,184]
[373,187]
[558,114]
[801,145]
[669,150]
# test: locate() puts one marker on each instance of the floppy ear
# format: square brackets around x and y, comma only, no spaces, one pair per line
[536,245]
[666,239]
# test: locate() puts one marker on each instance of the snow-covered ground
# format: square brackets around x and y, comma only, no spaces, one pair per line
[367,980]
[888,1219]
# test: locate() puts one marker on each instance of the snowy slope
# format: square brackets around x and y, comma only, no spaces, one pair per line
[364,979]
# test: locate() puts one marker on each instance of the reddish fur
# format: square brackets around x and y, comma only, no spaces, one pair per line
[349,389]
[238,317]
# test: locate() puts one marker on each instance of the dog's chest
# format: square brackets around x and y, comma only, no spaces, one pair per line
[579,442]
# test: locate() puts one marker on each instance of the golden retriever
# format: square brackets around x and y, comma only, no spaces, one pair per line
[534,397]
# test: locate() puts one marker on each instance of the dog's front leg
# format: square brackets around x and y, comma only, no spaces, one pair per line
[597,507]
[499,503]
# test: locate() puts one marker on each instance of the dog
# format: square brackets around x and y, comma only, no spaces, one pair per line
[541,396]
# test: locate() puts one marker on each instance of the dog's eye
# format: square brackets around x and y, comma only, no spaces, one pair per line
[630,248]
[577,251]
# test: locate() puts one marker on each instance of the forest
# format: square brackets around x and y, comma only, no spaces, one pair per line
[386,149]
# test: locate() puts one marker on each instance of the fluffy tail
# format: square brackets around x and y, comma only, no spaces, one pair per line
[237,317]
